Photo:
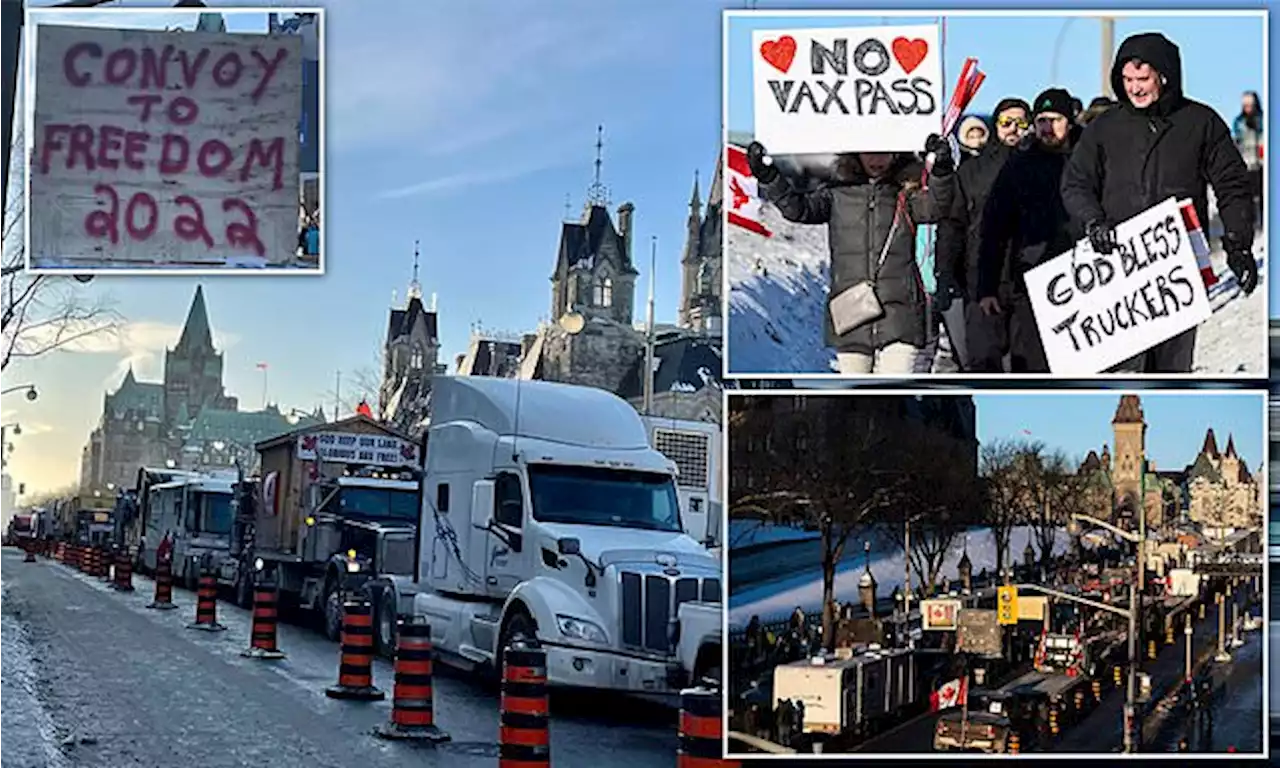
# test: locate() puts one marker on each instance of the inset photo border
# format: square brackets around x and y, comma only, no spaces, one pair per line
[845,87]
[173,141]
[824,495]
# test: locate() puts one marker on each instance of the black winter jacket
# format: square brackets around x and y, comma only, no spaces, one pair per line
[859,214]
[1025,222]
[960,200]
[1130,159]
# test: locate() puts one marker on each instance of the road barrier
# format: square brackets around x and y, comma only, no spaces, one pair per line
[262,635]
[60,552]
[412,707]
[104,564]
[1096,689]
[207,605]
[124,572]
[700,730]
[86,561]
[355,669]
[523,738]
[163,600]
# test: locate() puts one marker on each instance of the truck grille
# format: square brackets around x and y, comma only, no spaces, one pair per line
[649,604]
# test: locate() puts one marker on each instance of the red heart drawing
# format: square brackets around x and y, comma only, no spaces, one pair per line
[779,53]
[909,53]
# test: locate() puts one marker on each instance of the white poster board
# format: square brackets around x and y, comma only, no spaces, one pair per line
[349,448]
[163,148]
[1094,311]
[850,89]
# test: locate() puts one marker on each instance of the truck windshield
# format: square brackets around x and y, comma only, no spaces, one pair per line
[217,515]
[379,504]
[613,497]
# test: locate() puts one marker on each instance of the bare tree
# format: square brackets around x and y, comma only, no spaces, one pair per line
[1006,500]
[39,313]
[43,498]
[939,506]
[360,385]
[823,464]
[1051,481]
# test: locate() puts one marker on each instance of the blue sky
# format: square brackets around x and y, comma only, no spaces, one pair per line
[1176,422]
[470,145]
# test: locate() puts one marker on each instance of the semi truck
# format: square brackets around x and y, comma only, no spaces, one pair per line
[546,514]
[694,446]
[194,511]
[336,507]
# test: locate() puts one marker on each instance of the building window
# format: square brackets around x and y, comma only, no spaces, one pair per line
[603,293]
[415,358]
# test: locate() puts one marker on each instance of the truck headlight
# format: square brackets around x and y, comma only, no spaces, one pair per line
[581,629]
[353,566]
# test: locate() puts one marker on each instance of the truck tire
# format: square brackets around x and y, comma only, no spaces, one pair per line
[331,610]
[518,624]
[385,618]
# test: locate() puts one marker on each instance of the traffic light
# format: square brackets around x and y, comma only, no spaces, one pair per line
[1007,605]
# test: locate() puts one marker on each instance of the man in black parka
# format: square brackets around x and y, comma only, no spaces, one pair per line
[983,340]
[1024,225]
[1154,145]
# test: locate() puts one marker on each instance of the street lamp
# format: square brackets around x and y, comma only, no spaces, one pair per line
[5,445]
[32,394]
[1135,597]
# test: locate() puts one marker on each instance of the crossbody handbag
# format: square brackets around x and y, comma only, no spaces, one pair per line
[858,305]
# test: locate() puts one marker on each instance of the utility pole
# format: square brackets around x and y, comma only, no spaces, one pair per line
[649,331]
[1187,631]
[337,394]
[1108,53]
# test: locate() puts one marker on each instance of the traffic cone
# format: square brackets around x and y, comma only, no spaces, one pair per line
[124,572]
[105,556]
[1116,675]
[207,605]
[262,637]
[86,561]
[1014,745]
[1168,634]
[523,738]
[1151,649]
[1053,721]
[1096,687]
[412,712]
[700,730]
[355,669]
[163,600]
[60,552]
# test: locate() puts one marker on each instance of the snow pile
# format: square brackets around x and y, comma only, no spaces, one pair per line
[778,599]
[778,292]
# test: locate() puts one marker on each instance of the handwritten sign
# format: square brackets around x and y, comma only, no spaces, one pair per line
[858,89]
[163,148]
[1095,311]
[344,448]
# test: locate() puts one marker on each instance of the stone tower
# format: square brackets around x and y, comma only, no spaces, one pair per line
[1229,466]
[410,354]
[1130,430]
[701,262]
[594,275]
[193,370]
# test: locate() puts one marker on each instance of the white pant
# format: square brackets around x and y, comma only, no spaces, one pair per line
[895,358]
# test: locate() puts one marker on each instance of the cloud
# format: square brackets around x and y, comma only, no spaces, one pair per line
[142,346]
[464,180]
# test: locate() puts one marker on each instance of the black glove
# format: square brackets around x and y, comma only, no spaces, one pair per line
[943,164]
[1101,236]
[1243,266]
[945,291]
[761,164]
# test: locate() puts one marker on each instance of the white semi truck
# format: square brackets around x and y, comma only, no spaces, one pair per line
[547,514]
[694,446]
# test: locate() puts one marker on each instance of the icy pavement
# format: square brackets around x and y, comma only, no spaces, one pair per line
[127,686]
[778,289]
[29,736]
[803,586]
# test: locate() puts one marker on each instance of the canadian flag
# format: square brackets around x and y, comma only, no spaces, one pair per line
[1199,243]
[952,694]
[742,192]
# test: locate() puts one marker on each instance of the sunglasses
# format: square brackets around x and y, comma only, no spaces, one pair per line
[1006,122]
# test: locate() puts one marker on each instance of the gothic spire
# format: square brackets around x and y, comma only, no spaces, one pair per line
[1210,447]
[415,288]
[196,333]
[598,193]
[1231,447]
[695,199]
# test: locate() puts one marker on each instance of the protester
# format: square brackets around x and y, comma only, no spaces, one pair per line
[1248,135]
[1025,225]
[980,341]
[1096,107]
[972,136]
[1155,145]
[871,211]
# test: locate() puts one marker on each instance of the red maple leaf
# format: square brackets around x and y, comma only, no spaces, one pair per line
[740,196]
[309,443]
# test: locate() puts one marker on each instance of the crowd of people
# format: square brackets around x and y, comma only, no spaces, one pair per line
[1023,188]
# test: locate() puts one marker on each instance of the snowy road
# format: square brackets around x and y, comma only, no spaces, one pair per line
[93,678]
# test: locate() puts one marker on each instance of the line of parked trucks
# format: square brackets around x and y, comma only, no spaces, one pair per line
[527,509]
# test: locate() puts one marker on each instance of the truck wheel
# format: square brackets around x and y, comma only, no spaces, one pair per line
[386,618]
[519,625]
[331,611]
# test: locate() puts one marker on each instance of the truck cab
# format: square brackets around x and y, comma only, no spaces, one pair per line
[546,514]
[986,724]
[195,511]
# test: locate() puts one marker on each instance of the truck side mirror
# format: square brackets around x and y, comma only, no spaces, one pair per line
[569,546]
[482,504]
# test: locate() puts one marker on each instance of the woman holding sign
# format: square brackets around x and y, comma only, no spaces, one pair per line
[876,311]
